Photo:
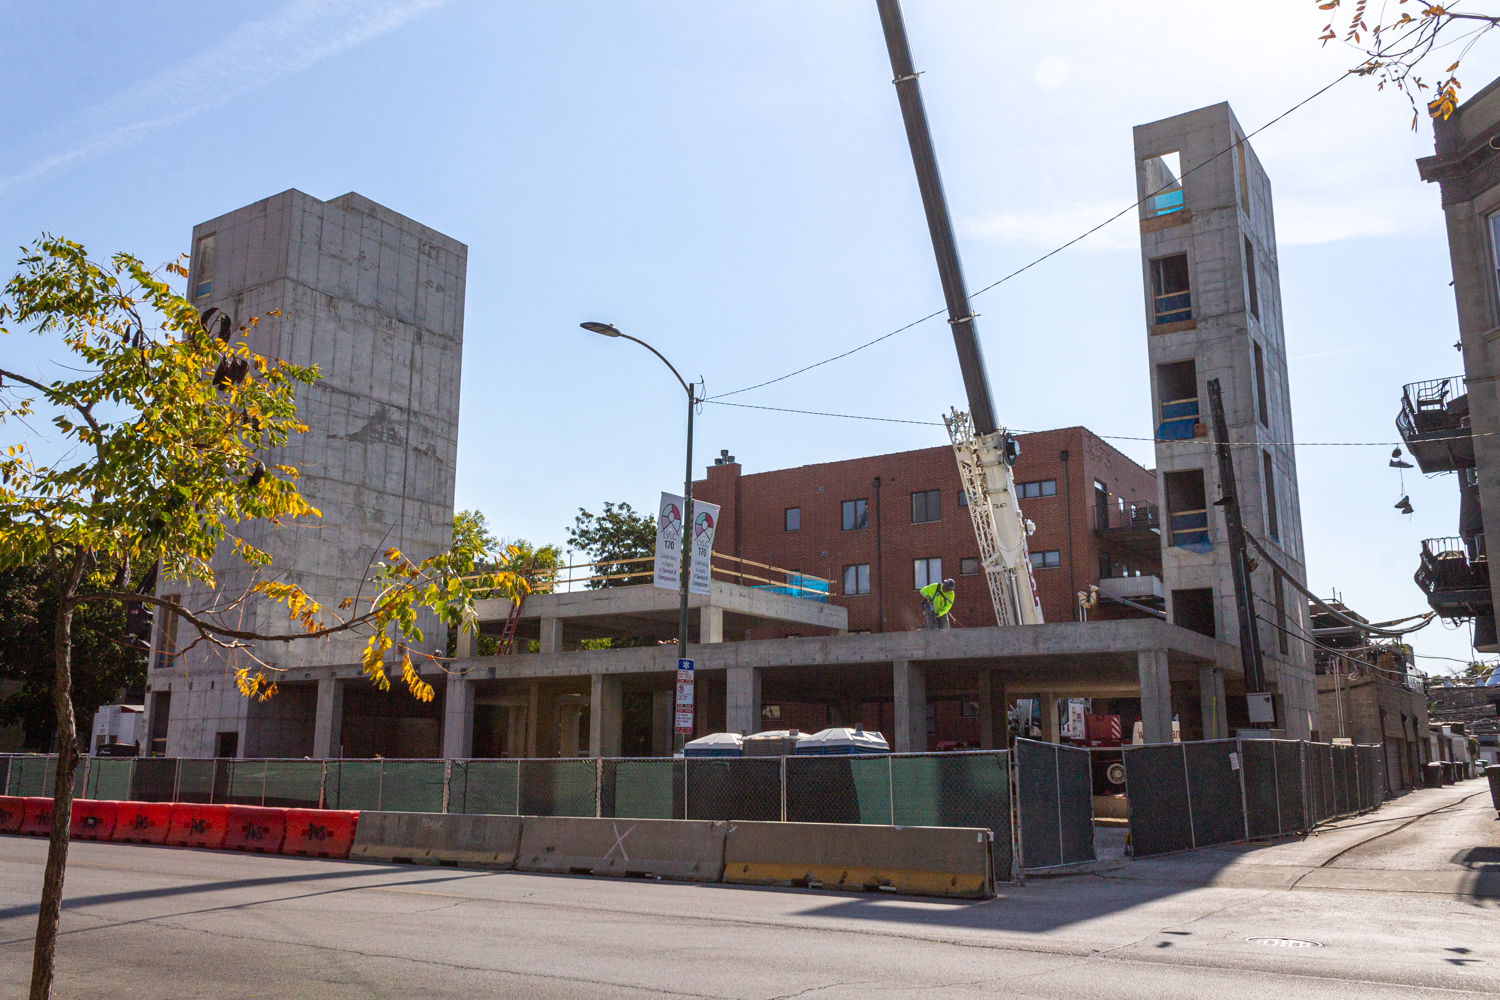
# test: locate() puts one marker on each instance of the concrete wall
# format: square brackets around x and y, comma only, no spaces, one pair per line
[1227,204]
[376,301]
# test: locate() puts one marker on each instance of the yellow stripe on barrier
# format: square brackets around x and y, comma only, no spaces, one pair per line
[923,883]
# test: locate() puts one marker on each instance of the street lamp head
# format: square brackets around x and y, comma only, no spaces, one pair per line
[603,328]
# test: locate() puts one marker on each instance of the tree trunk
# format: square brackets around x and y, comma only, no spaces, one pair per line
[45,953]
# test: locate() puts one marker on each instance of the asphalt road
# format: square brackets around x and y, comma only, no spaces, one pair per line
[1403,903]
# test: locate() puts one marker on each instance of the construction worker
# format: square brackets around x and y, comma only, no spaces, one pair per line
[937,601]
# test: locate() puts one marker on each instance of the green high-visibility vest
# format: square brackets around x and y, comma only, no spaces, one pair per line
[942,601]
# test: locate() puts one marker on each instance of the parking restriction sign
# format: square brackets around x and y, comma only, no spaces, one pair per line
[684,722]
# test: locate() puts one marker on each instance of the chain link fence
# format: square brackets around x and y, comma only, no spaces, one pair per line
[1055,787]
[1183,796]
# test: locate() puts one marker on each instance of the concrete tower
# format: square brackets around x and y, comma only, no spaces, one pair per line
[1213,310]
[377,301]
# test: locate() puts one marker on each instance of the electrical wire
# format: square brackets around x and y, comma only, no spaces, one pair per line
[1051,253]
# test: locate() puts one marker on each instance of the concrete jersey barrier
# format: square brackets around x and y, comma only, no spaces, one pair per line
[685,850]
[491,841]
[922,860]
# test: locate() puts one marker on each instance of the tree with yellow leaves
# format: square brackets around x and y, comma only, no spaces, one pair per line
[153,459]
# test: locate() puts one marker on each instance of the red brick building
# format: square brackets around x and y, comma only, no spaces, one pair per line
[879,527]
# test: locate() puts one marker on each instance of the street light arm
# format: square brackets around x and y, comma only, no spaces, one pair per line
[686,388]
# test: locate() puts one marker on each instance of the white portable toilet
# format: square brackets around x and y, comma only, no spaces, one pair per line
[841,740]
[713,745]
[771,743]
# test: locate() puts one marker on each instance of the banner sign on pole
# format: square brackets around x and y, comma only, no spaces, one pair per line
[670,539]
[684,714]
[705,520]
[668,543]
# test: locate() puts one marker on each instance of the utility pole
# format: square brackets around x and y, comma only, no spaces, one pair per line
[1243,597]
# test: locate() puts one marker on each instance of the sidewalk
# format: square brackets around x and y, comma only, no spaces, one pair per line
[1441,840]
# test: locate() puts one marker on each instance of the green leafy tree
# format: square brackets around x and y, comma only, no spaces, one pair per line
[517,559]
[153,459]
[110,657]
[618,533]
[1393,40]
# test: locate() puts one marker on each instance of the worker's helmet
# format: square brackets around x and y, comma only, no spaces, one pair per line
[948,583]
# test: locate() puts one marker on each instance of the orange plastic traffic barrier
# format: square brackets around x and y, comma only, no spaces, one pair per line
[197,825]
[93,819]
[12,811]
[38,819]
[322,833]
[142,822]
[255,828]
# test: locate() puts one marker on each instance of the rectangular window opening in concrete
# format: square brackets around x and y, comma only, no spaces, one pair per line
[161,715]
[227,744]
[926,505]
[1177,388]
[1260,387]
[1239,157]
[927,571]
[1282,640]
[794,519]
[856,514]
[203,266]
[1171,297]
[166,639]
[1194,610]
[1250,277]
[1270,472]
[1187,508]
[1163,184]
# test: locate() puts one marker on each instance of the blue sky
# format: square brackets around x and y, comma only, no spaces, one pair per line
[731,182]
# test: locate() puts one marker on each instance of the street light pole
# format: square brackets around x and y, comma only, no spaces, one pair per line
[684,569]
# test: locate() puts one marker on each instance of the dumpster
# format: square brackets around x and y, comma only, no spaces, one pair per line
[1433,774]
[1447,772]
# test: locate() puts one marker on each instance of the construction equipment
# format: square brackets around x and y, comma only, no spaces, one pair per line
[985,451]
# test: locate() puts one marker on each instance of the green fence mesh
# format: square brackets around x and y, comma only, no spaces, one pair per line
[562,787]
[412,786]
[293,784]
[642,789]
[195,780]
[484,786]
[353,784]
[109,778]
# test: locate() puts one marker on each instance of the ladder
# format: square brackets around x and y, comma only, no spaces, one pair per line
[508,635]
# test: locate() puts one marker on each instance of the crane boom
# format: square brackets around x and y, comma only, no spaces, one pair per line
[983,449]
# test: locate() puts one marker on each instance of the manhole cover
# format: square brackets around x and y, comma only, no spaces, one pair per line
[1285,942]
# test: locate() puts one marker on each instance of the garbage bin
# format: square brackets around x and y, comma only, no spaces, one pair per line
[1447,772]
[1433,772]
[1493,773]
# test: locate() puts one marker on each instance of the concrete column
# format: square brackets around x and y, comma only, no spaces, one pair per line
[328,719]
[994,727]
[742,700]
[468,644]
[458,717]
[551,636]
[1211,697]
[1156,696]
[516,731]
[663,722]
[571,715]
[1051,732]
[606,715]
[910,686]
[710,624]
[533,709]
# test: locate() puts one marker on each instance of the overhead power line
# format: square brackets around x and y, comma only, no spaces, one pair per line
[1050,253]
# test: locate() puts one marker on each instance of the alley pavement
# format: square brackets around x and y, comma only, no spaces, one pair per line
[1400,902]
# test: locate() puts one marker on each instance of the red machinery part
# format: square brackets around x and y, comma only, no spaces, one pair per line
[12,811]
[255,828]
[322,833]
[142,822]
[93,819]
[38,818]
[194,824]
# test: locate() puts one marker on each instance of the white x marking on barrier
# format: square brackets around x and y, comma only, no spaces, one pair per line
[619,841]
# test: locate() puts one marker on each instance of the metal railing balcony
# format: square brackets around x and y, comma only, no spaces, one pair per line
[1434,423]
[1455,576]
[1137,515]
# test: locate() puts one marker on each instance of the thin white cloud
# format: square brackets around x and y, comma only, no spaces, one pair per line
[295,37]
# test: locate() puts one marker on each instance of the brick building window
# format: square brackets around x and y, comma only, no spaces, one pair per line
[927,571]
[968,566]
[856,514]
[926,505]
[1049,559]
[1169,289]
[857,579]
[1041,488]
[794,519]
[963,498]
[203,266]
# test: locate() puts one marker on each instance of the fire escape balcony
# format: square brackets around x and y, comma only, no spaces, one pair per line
[1434,423]
[1455,576]
[1136,525]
